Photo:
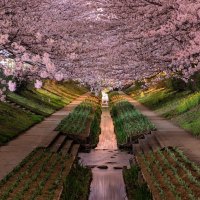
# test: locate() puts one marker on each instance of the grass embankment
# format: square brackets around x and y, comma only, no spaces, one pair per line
[38,176]
[136,188]
[183,108]
[41,103]
[128,122]
[83,121]
[13,121]
[77,183]
[68,90]
[31,104]
[170,174]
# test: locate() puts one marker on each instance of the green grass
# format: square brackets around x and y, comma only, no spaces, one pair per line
[77,183]
[67,90]
[74,88]
[156,99]
[128,121]
[136,189]
[13,121]
[190,120]
[45,100]
[188,103]
[31,104]
[55,98]
[180,107]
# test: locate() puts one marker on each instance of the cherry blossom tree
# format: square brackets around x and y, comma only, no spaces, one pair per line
[100,42]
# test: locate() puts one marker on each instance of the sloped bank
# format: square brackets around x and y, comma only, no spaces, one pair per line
[29,106]
[181,107]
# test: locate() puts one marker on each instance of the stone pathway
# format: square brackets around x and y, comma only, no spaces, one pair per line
[16,150]
[169,133]
[107,162]
[107,138]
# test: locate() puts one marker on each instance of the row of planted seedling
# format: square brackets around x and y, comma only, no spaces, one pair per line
[39,176]
[83,120]
[128,121]
[171,174]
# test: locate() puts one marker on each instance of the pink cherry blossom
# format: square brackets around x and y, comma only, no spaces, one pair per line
[38,84]
[59,76]
[11,86]
[101,43]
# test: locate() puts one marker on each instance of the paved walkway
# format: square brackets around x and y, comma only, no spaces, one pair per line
[16,150]
[107,138]
[170,134]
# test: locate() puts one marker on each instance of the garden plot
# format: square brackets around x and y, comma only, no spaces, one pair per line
[129,123]
[38,176]
[83,122]
[170,174]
